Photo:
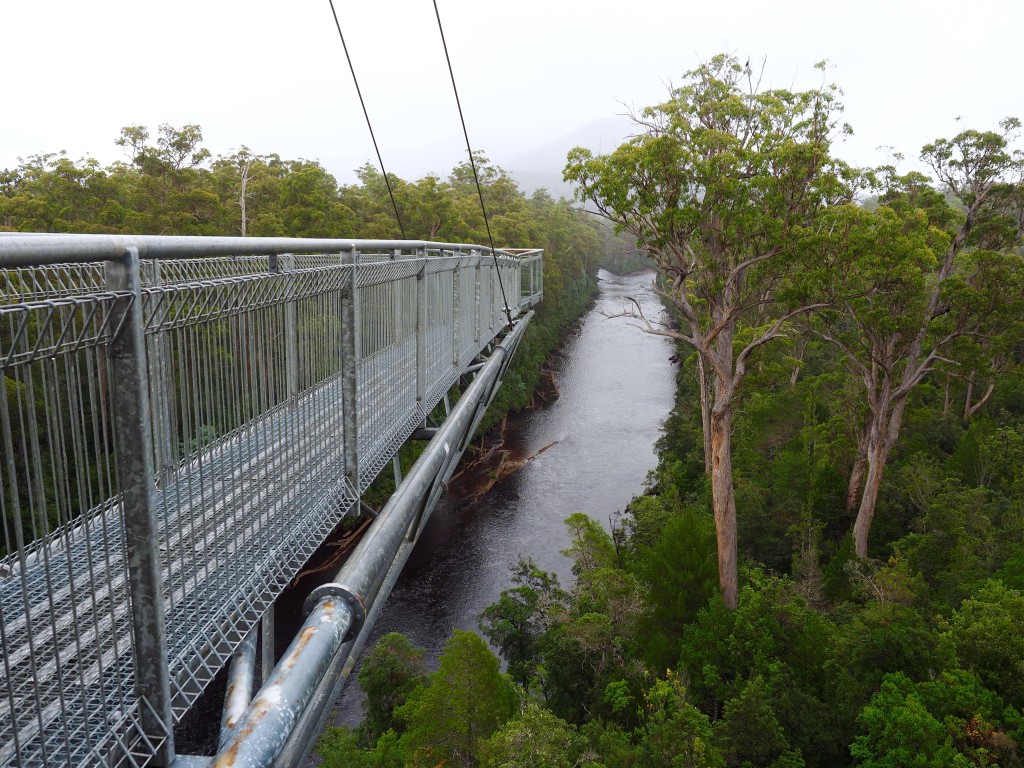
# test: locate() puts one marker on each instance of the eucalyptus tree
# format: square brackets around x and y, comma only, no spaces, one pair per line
[719,188]
[921,285]
[166,186]
[252,182]
[53,193]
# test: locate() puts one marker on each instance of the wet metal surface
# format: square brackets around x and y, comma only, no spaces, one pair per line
[616,387]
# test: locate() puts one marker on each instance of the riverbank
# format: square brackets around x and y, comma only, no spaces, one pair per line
[551,325]
[588,450]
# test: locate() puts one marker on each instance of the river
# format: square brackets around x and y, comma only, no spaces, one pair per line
[616,387]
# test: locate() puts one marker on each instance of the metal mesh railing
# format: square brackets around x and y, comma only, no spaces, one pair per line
[252,360]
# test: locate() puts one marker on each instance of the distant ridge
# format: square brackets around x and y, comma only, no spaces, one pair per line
[542,167]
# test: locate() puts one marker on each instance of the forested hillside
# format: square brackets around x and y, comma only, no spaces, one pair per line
[828,567]
[169,184]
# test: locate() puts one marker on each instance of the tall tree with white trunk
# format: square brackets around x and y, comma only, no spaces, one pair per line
[919,284]
[719,187]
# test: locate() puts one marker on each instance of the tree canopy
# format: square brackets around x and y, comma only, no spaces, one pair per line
[719,188]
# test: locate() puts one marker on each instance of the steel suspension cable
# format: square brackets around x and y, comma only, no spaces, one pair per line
[472,164]
[366,114]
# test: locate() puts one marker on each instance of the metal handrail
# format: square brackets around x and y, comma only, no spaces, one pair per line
[19,250]
[182,422]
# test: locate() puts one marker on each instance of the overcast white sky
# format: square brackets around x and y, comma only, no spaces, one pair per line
[271,74]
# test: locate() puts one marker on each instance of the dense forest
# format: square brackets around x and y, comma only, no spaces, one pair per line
[827,568]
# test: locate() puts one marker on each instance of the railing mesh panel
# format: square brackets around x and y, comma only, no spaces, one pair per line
[244,360]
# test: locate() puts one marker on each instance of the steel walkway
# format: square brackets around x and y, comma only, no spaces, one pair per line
[184,421]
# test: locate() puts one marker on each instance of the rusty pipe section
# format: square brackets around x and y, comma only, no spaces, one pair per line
[262,731]
[240,687]
[337,611]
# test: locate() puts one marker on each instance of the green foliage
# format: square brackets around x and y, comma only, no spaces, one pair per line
[986,634]
[772,626]
[749,732]
[1012,572]
[897,730]
[609,746]
[595,643]
[775,638]
[952,720]
[519,622]
[570,647]
[340,747]
[880,639]
[672,552]
[388,675]
[675,734]
[592,548]
[954,545]
[465,701]
[534,739]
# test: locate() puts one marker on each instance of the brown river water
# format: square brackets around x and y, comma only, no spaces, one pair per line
[615,388]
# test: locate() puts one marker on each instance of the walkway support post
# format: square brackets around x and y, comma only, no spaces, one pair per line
[477,318]
[350,351]
[291,330]
[456,317]
[162,384]
[134,458]
[421,338]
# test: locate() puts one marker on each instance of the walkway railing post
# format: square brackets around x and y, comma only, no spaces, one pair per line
[530,276]
[540,276]
[291,332]
[421,336]
[350,343]
[477,318]
[527,275]
[134,458]
[162,385]
[456,314]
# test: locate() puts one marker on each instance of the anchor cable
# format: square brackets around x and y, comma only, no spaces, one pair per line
[472,164]
[366,114]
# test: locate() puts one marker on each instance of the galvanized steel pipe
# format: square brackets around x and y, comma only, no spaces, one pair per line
[19,249]
[261,733]
[240,687]
[338,610]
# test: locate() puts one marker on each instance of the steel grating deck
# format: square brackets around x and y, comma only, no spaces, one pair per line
[237,518]
[280,491]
